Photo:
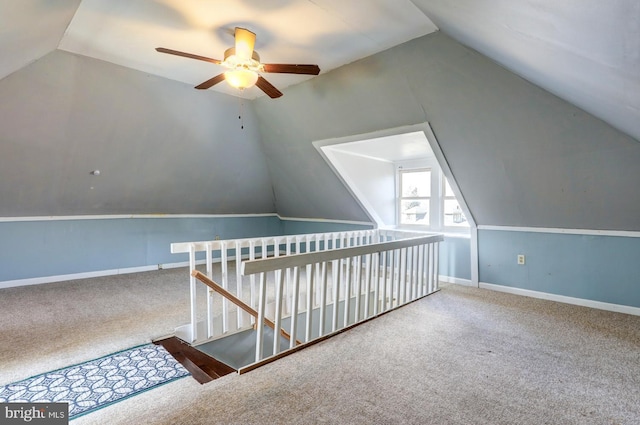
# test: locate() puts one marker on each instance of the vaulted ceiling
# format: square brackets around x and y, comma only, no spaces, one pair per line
[584,51]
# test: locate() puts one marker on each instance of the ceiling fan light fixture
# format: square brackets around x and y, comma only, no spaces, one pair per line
[243,72]
[241,78]
[244,67]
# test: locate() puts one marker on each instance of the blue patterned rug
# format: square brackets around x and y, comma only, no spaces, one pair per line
[100,382]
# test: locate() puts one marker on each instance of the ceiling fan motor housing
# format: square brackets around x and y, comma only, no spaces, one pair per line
[233,61]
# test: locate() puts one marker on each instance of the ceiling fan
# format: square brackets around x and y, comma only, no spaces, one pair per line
[244,66]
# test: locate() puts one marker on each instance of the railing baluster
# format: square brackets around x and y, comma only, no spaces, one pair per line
[347,290]
[420,271]
[294,306]
[260,321]
[408,260]
[397,275]
[436,265]
[310,291]
[413,266]
[264,248]
[278,311]
[252,279]
[407,276]
[383,278]
[333,272]
[337,274]
[414,274]
[288,252]
[430,268]
[192,289]
[225,285]
[367,284]
[210,294]
[358,286]
[323,275]
[323,299]
[376,283]
[240,314]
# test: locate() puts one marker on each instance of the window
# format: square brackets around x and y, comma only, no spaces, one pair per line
[415,197]
[453,216]
[426,199]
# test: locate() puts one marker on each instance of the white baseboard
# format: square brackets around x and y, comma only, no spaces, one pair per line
[618,308]
[73,276]
[100,273]
[88,275]
[456,280]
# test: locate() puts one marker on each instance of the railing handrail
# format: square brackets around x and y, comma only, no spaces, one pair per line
[298,260]
[244,306]
[185,247]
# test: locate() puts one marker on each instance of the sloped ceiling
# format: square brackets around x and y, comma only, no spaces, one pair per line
[329,33]
[29,29]
[584,51]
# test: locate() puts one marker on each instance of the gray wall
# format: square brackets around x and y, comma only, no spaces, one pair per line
[521,156]
[55,248]
[600,268]
[161,146]
[50,250]
[454,258]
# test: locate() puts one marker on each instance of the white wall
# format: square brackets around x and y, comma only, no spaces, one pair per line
[371,180]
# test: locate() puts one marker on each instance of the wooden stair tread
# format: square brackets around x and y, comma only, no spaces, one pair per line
[202,367]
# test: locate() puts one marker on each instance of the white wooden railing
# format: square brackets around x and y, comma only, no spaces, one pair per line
[313,285]
[214,317]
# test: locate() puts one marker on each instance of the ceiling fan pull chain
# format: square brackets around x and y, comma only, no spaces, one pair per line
[240,114]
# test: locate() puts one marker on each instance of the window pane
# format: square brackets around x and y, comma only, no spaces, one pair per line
[453,215]
[414,212]
[416,183]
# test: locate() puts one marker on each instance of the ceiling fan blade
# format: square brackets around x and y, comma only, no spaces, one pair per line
[268,88]
[211,82]
[245,42]
[289,68]
[187,55]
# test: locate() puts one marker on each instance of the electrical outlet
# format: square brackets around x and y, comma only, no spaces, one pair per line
[521,259]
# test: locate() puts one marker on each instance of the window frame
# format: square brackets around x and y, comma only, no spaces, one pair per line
[436,199]
[401,171]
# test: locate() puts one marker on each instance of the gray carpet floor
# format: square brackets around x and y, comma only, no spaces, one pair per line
[460,356]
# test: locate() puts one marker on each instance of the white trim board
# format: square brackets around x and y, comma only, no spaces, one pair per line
[455,280]
[588,232]
[617,308]
[327,220]
[138,216]
[125,216]
[101,273]
[83,275]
